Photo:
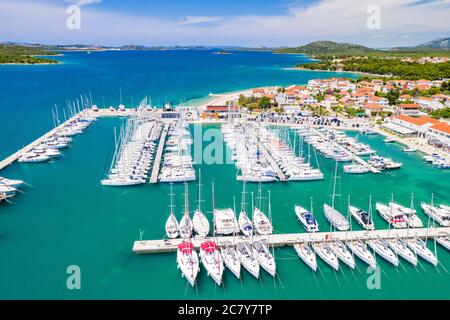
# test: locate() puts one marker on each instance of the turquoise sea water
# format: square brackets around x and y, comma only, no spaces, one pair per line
[66,218]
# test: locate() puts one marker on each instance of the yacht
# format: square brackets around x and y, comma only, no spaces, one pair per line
[409,214]
[382,249]
[212,260]
[187,261]
[324,251]
[334,217]
[437,214]
[389,140]
[307,254]
[10,182]
[356,169]
[343,254]
[231,259]
[185,226]
[172,228]
[395,218]
[225,221]
[265,257]
[245,224]
[199,220]
[401,249]
[360,250]
[261,222]
[307,219]
[363,218]
[248,258]
[31,157]
[419,247]
[444,241]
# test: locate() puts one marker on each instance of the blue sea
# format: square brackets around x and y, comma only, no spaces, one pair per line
[65,218]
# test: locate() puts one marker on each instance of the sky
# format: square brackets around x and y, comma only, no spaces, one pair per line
[273,23]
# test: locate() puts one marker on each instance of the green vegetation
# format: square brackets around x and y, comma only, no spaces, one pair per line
[24,55]
[383,66]
[252,103]
[438,114]
[327,47]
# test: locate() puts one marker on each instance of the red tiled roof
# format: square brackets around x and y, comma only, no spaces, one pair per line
[442,126]
[410,106]
[373,106]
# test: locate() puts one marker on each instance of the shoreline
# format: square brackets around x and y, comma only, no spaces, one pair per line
[343,71]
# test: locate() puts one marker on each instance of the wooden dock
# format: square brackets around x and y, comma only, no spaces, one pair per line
[280,240]
[159,153]
[15,156]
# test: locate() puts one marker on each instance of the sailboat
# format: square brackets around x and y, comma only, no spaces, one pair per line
[245,224]
[10,182]
[325,252]
[172,229]
[260,221]
[265,257]
[382,249]
[444,241]
[307,218]
[248,259]
[409,213]
[199,220]
[419,247]
[231,259]
[391,215]
[306,253]
[363,218]
[210,254]
[343,254]
[185,225]
[334,217]
[360,250]
[401,249]
[187,261]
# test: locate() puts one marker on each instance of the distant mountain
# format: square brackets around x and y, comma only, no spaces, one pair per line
[328,47]
[443,43]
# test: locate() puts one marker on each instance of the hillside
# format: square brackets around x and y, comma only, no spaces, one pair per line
[443,43]
[23,55]
[328,47]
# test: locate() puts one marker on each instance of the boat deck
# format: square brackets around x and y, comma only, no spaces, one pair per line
[159,153]
[289,239]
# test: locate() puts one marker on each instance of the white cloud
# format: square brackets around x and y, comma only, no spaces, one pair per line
[339,20]
[83,2]
[198,20]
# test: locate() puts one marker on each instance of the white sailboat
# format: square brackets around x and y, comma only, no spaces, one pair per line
[343,254]
[382,249]
[199,220]
[307,254]
[401,249]
[187,261]
[444,241]
[185,225]
[307,218]
[360,250]
[325,252]
[410,215]
[172,229]
[334,217]
[231,259]
[419,247]
[245,224]
[248,259]
[212,260]
[261,223]
[10,182]
[265,257]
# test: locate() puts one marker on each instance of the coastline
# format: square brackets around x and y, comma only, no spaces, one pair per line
[343,71]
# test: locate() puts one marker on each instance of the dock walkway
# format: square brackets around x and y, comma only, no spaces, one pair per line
[15,156]
[279,240]
[159,153]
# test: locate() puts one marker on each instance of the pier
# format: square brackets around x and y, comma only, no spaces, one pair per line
[15,156]
[159,153]
[289,239]
[357,158]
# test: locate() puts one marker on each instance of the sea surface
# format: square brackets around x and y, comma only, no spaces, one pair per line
[64,217]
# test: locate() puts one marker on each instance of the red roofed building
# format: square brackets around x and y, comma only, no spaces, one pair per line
[441,132]
[411,109]
[373,108]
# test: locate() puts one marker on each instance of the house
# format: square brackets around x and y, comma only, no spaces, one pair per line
[378,100]
[419,126]
[405,97]
[429,103]
[440,132]
[222,111]
[373,108]
[411,109]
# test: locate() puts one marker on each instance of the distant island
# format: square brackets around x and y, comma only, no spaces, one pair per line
[15,54]
[430,61]
[222,52]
